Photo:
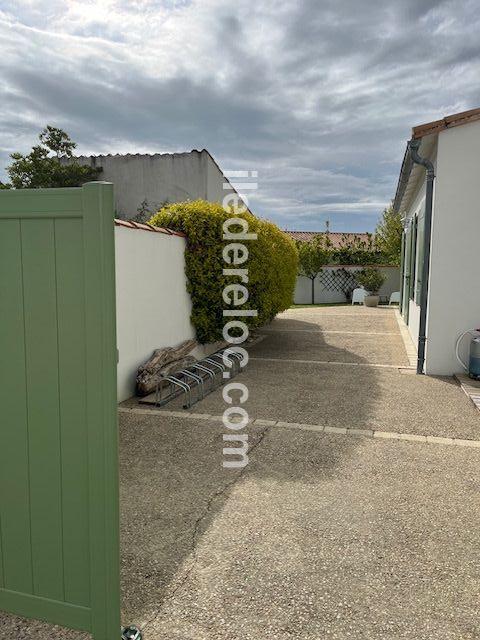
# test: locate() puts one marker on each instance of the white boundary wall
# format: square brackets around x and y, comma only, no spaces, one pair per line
[153,306]
[303,287]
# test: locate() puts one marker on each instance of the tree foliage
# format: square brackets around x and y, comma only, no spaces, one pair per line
[388,236]
[312,257]
[356,250]
[370,279]
[43,166]
[272,265]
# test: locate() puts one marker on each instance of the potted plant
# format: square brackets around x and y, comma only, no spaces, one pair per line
[371,280]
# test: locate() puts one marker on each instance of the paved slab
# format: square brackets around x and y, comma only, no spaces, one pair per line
[322,535]
[337,319]
[352,397]
[285,386]
[326,537]
[171,469]
[373,348]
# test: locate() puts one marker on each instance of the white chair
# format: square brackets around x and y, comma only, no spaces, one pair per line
[394,298]
[358,295]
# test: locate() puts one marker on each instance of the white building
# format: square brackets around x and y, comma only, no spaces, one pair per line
[438,195]
[145,182]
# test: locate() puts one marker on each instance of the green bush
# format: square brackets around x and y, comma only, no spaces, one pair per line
[370,279]
[272,265]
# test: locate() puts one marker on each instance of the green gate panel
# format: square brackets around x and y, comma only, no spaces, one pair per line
[59,529]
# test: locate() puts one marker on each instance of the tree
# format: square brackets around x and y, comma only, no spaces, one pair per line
[388,235]
[356,250]
[57,141]
[370,279]
[40,168]
[312,257]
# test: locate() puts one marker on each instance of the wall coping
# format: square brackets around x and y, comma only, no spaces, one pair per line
[139,226]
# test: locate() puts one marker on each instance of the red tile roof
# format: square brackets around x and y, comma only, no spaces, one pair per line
[336,238]
[129,224]
[447,122]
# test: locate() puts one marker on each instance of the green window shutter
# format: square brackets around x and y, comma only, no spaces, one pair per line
[408,252]
[402,269]
[420,252]
[413,257]
[406,271]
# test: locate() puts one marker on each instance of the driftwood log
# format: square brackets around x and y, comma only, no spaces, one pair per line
[161,363]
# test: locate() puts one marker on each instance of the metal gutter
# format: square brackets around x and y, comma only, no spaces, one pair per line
[412,152]
[405,171]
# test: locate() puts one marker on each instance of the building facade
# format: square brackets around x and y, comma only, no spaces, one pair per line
[146,182]
[438,195]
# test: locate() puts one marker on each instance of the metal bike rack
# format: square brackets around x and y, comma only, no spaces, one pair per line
[209,372]
[218,366]
[159,401]
[198,379]
[234,357]
[195,376]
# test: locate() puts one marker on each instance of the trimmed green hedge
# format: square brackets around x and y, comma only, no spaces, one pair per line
[272,265]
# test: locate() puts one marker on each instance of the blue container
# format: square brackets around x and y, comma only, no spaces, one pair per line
[474,361]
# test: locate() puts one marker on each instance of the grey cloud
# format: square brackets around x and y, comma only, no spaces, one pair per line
[318,96]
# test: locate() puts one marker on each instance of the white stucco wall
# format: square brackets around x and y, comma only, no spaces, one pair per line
[454,293]
[303,287]
[153,306]
[413,325]
[159,178]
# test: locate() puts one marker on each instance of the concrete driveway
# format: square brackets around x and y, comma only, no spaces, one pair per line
[357,516]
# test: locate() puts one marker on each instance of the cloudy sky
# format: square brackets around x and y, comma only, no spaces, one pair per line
[318,96]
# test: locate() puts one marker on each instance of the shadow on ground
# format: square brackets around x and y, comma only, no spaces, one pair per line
[321,534]
[196,491]
[174,485]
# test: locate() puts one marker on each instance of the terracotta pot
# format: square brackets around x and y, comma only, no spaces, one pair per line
[371,301]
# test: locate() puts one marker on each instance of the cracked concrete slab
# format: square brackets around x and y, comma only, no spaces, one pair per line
[171,471]
[322,535]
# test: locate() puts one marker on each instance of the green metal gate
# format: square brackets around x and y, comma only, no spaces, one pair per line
[59,531]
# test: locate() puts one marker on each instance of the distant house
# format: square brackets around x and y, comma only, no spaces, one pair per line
[438,195]
[336,238]
[145,182]
[335,282]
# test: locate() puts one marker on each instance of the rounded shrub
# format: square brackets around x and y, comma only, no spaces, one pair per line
[370,279]
[272,264]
